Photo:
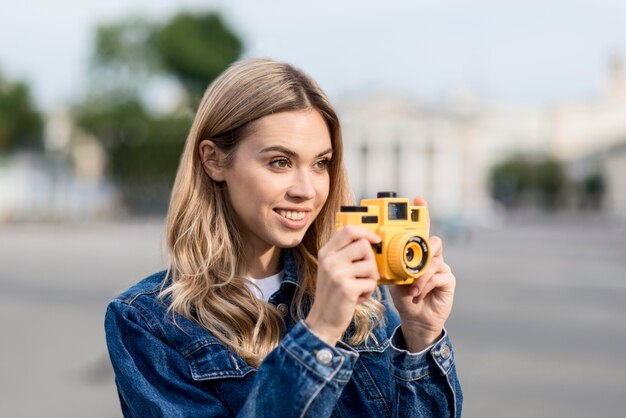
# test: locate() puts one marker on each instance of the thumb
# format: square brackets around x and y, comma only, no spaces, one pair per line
[419,201]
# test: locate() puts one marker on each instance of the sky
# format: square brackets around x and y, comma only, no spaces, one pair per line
[526,51]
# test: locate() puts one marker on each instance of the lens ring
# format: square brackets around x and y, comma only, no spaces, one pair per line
[416,264]
[412,255]
[396,254]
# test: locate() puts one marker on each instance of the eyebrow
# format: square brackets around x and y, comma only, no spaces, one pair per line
[289,152]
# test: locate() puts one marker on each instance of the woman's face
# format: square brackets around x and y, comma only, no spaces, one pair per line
[279,178]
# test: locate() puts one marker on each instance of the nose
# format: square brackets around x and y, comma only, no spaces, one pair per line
[302,185]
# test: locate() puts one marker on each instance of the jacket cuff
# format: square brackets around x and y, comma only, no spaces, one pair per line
[313,353]
[410,366]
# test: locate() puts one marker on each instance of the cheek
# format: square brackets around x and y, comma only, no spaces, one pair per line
[242,195]
[323,188]
[256,194]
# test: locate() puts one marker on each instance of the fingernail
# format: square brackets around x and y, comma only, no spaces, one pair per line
[415,292]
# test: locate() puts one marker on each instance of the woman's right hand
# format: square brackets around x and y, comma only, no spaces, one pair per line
[346,276]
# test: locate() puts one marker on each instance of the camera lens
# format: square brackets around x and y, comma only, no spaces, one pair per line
[415,254]
[408,254]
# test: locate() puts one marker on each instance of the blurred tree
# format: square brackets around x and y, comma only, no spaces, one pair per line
[123,59]
[196,49]
[192,48]
[509,180]
[550,181]
[21,125]
[143,148]
[521,181]
[592,189]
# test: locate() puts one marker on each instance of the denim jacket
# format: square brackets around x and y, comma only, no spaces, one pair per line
[166,365]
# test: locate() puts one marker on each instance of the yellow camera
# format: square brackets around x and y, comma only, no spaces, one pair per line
[403,255]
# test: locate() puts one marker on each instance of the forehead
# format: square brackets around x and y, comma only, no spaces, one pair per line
[301,129]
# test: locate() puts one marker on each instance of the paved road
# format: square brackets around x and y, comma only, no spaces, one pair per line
[539,324]
[539,320]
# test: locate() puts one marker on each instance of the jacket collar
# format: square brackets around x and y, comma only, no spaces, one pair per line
[290,266]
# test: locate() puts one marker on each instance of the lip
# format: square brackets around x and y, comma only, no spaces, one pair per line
[290,223]
[293,209]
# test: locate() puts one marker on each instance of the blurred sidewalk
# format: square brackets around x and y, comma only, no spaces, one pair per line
[55,283]
[539,323]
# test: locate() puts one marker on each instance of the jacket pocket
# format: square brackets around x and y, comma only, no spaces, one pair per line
[208,359]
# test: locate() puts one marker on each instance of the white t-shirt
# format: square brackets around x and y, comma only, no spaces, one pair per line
[265,287]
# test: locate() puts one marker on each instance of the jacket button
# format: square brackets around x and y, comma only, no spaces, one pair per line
[445,352]
[324,356]
[283,309]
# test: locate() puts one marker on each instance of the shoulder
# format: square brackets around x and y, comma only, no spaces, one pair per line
[143,306]
[140,305]
[146,289]
[139,320]
[143,299]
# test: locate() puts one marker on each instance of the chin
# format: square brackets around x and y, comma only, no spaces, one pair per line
[291,243]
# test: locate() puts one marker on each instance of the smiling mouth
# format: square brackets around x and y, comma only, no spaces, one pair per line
[291,214]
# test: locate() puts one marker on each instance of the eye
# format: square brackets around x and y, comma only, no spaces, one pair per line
[280,163]
[322,164]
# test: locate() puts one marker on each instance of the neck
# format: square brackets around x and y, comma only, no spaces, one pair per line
[262,263]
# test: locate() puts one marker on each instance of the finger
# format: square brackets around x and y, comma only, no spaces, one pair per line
[365,269]
[417,288]
[419,201]
[352,289]
[436,246]
[351,233]
[419,284]
[357,250]
[363,297]
[356,261]
[364,288]
[444,282]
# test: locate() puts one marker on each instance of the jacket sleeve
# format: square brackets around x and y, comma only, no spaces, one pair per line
[151,385]
[302,377]
[306,374]
[425,383]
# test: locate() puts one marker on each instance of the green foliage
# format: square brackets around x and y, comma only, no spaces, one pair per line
[591,191]
[144,149]
[123,44]
[593,185]
[123,59]
[520,181]
[196,49]
[21,125]
[192,48]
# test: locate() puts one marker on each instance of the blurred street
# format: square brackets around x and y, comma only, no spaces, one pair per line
[539,324]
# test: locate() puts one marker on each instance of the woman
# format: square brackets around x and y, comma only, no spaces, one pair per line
[264,309]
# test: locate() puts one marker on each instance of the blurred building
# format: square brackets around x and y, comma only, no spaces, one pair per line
[590,135]
[583,127]
[445,152]
[66,182]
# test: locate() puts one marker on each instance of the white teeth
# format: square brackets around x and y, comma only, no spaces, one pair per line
[290,214]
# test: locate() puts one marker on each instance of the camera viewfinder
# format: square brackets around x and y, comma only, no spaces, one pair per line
[397,211]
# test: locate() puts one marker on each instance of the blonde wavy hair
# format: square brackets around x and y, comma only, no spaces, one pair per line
[205,250]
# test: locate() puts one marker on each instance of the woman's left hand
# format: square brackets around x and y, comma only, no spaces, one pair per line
[425,305]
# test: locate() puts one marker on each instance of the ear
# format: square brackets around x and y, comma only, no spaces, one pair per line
[211,156]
